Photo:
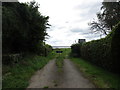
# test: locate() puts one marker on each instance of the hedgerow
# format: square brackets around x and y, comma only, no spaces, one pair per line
[115,47]
[102,52]
[75,50]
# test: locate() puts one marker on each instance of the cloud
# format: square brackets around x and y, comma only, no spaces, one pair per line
[80,30]
[69,19]
[91,36]
[60,27]
[88,11]
[76,30]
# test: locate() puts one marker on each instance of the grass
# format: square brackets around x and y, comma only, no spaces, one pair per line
[59,63]
[60,57]
[46,87]
[100,77]
[18,76]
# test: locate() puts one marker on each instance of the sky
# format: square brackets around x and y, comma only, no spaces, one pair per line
[69,20]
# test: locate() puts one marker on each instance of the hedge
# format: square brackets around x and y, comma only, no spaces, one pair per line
[116,47]
[75,50]
[103,52]
[98,52]
[14,58]
[11,58]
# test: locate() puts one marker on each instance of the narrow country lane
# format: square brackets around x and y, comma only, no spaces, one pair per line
[49,77]
[44,77]
[73,77]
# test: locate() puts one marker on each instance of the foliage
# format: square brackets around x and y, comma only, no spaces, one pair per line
[24,28]
[103,52]
[23,31]
[60,58]
[110,13]
[99,53]
[75,50]
[11,59]
[115,46]
[100,77]
[48,49]
[18,76]
[108,17]
[59,63]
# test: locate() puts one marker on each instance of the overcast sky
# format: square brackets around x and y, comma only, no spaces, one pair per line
[69,19]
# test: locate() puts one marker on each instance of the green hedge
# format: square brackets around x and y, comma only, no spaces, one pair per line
[11,59]
[98,52]
[103,52]
[116,46]
[75,50]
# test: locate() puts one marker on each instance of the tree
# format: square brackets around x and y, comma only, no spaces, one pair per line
[108,17]
[111,13]
[24,28]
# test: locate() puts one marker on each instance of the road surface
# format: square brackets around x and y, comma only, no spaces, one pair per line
[49,77]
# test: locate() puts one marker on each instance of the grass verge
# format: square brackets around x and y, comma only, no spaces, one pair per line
[59,63]
[18,76]
[100,77]
[60,58]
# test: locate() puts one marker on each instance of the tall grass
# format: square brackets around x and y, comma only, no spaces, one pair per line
[18,76]
[60,58]
[59,63]
[100,77]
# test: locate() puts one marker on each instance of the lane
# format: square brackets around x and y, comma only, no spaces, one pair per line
[44,77]
[73,77]
[49,77]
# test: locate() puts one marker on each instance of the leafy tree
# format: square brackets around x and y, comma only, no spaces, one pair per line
[24,28]
[107,18]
